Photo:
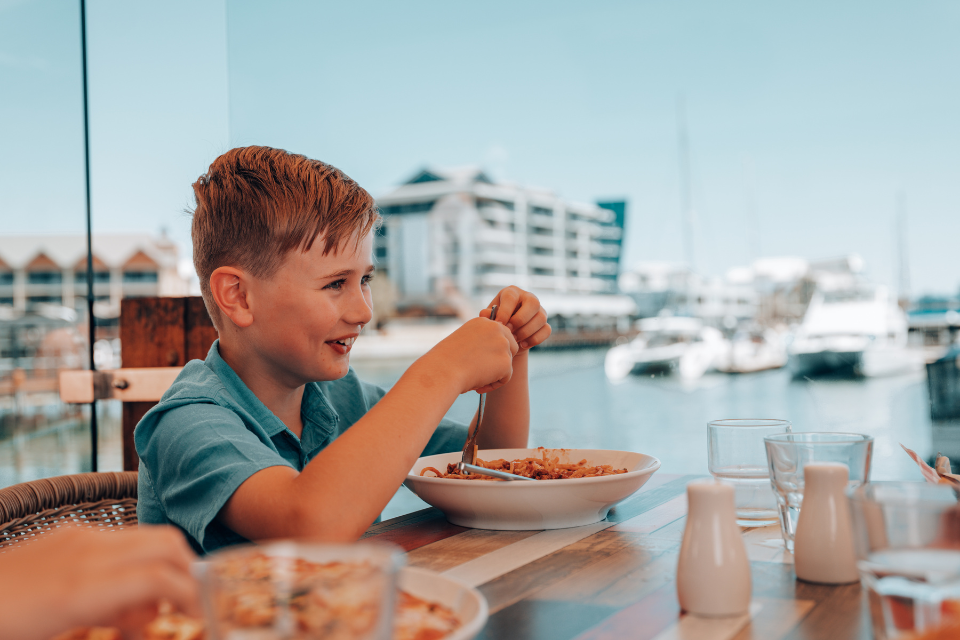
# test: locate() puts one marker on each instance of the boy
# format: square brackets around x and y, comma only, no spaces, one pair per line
[273,435]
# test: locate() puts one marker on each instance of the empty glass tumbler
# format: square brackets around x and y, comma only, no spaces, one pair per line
[737,457]
[789,453]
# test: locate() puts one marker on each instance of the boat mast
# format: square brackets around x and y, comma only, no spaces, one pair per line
[902,257]
[753,217]
[686,201]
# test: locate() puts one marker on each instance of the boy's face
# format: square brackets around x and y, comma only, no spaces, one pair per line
[307,315]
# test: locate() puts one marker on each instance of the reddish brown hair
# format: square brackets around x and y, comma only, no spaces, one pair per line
[256,204]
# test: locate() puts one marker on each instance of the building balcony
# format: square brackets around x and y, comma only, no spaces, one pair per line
[48,289]
[609,233]
[599,249]
[498,280]
[587,285]
[546,283]
[540,220]
[99,288]
[139,289]
[539,240]
[496,213]
[603,268]
[496,236]
[487,256]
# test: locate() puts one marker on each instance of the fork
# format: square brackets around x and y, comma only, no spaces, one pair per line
[465,468]
[470,448]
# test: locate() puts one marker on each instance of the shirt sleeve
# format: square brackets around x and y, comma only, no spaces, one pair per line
[449,436]
[197,455]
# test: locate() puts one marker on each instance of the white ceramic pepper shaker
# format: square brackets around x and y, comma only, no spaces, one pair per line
[823,546]
[713,573]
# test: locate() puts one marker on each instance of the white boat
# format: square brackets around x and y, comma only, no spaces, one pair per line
[754,350]
[859,331]
[665,345]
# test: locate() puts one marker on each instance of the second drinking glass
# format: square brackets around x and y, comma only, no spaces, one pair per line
[736,456]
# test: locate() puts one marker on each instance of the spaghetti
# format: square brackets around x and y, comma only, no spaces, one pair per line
[542,468]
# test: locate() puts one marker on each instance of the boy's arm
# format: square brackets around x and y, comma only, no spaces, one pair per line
[344,488]
[506,417]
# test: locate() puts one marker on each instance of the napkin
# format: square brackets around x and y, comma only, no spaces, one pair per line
[940,473]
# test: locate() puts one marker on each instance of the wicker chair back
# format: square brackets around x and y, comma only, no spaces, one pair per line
[30,509]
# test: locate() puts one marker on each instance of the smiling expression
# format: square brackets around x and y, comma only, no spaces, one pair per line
[308,314]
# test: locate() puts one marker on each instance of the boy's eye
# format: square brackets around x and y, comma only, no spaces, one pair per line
[336,285]
[366,279]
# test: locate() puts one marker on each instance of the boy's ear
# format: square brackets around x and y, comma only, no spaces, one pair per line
[229,289]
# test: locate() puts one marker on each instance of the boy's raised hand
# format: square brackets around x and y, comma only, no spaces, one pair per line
[479,355]
[522,314]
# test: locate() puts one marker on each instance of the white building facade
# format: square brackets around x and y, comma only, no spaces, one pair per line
[52,270]
[458,228]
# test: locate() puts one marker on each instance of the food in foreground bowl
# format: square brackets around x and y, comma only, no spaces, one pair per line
[542,468]
[325,600]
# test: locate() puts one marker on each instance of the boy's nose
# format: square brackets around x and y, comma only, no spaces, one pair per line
[360,311]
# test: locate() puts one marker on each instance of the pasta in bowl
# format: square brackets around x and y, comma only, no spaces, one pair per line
[570,500]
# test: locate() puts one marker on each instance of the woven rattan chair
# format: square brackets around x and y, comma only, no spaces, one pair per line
[33,508]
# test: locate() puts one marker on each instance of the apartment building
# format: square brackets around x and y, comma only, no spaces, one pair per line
[459,228]
[52,270]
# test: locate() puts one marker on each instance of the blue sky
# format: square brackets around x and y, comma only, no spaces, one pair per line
[821,114]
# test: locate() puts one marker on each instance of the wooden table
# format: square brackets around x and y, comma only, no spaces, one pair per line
[616,580]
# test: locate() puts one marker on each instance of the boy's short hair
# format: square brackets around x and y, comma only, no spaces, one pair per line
[256,204]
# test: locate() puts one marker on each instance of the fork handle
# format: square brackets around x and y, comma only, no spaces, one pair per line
[470,448]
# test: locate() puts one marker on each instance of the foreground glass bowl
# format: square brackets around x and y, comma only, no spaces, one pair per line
[301,590]
[545,504]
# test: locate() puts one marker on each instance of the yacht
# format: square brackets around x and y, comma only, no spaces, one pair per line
[666,344]
[754,349]
[859,331]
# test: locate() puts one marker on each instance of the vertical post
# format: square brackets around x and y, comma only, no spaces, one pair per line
[159,332]
[686,199]
[91,321]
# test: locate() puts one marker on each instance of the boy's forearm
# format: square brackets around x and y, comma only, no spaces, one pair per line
[506,415]
[382,446]
[344,488]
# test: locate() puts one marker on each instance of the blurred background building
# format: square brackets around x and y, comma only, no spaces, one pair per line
[453,238]
[40,271]
[43,299]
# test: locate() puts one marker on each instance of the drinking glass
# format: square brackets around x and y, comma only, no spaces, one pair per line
[907,539]
[737,457]
[789,453]
[292,590]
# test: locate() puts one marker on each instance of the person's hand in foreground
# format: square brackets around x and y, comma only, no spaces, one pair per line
[83,577]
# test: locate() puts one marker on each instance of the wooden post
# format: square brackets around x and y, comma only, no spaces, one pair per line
[159,332]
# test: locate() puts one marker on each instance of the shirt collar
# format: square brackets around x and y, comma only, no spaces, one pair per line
[319,417]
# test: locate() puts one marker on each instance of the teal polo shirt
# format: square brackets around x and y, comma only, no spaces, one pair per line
[209,433]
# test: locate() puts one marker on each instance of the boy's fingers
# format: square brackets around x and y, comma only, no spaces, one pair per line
[509,301]
[536,338]
[526,312]
[530,327]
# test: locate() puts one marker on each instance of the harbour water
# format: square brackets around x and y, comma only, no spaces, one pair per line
[574,405]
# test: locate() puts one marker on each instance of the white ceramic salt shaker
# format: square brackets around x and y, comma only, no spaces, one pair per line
[713,573]
[823,546]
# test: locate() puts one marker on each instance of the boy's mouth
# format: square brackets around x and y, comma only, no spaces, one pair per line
[342,345]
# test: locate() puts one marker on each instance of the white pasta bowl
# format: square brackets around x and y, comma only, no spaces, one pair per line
[466,602]
[544,504]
